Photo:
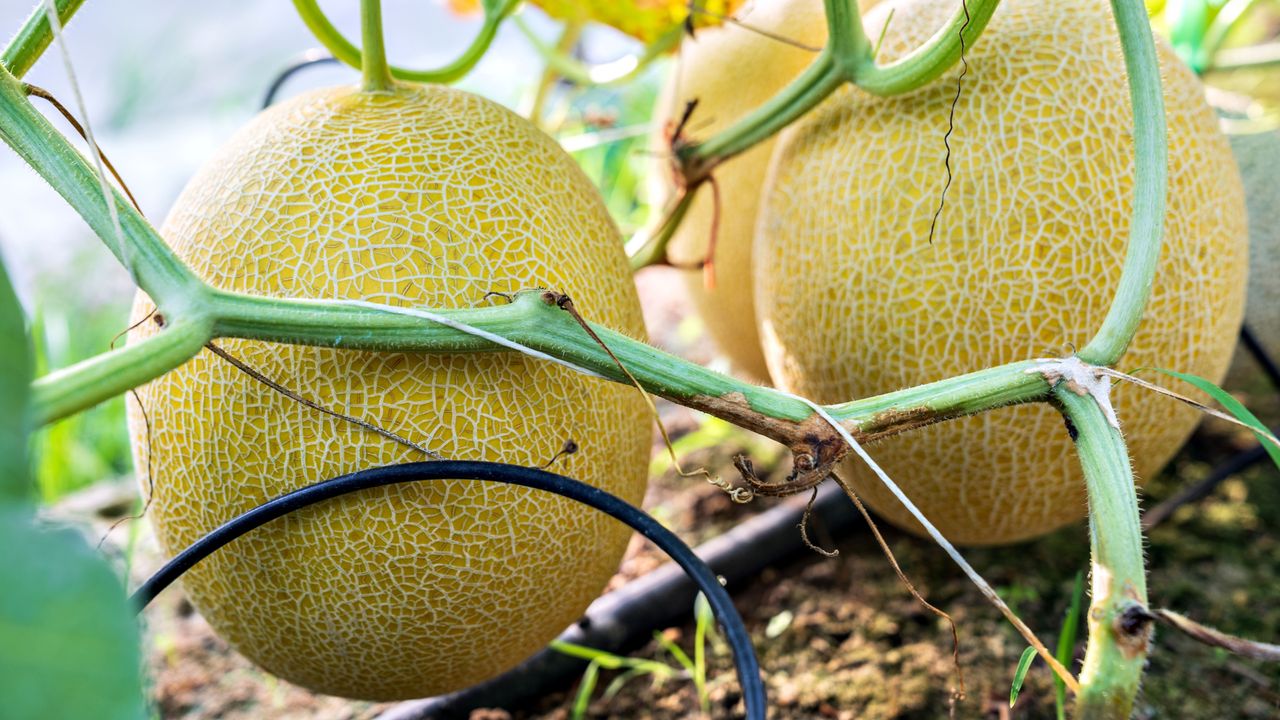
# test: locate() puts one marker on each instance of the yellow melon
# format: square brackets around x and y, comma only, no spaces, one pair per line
[428,197]
[853,300]
[732,70]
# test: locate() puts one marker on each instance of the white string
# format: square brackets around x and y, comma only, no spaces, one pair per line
[472,330]
[51,12]
[937,536]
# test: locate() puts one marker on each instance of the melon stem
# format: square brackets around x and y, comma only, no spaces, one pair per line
[1119,624]
[34,37]
[373,60]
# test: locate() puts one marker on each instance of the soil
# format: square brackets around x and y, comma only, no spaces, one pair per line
[841,637]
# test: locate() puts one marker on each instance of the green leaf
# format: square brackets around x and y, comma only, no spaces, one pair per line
[15,391]
[1066,644]
[1188,20]
[1024,664]
[1232,406]
[68,638]
[585,688]
[676,651]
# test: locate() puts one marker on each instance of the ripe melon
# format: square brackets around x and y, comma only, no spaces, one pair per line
[853,300]
[731,71]
[426,197]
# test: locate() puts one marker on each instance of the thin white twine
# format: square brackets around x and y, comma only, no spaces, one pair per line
[472,330]
[937,536]
[51,12]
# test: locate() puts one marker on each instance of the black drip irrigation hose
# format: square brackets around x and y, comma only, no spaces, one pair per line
[744,656]
[624,620]
[1259,354]
[307,59]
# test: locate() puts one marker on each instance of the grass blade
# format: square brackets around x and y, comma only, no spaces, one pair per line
[1020,674]
[585,689]
[1232,406]
[1067,638]
[676,652]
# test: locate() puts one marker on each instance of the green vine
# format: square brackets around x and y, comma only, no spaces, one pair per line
[192,313]
[373,60]
[34,36]
[495,11]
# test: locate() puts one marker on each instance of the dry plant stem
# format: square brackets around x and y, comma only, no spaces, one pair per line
[1266,652]
[1118,631]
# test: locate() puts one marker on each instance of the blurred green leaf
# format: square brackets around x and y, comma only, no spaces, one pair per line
[1188,20]
[15,389]
[68,639]
[1066,644]
[1024,664]
[1232,406]
[585,689]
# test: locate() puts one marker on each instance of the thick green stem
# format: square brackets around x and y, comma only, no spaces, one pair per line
[1151,172]
[803,94]
[846,39]
[373,58]
[1119,628]
[495,12]
[530,321]
[847,57]
[143,253]
[928,62]
[34,36]
[653,247]
[81,386]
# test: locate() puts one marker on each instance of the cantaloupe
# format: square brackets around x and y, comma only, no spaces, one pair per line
[427,197]
[853,300]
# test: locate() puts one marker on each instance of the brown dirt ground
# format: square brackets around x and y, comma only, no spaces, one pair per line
[841,638]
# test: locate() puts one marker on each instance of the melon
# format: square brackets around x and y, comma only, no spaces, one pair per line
[420,197]
[853,300]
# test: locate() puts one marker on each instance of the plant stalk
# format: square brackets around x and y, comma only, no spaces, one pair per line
[495,12]
[373,57]
[145,255]
[67,391]
[1119,626]
[1146,226]
[34,37]
[928,62]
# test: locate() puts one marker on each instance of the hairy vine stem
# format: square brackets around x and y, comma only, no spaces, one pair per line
[495,12]
[194,313]
[373,57]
